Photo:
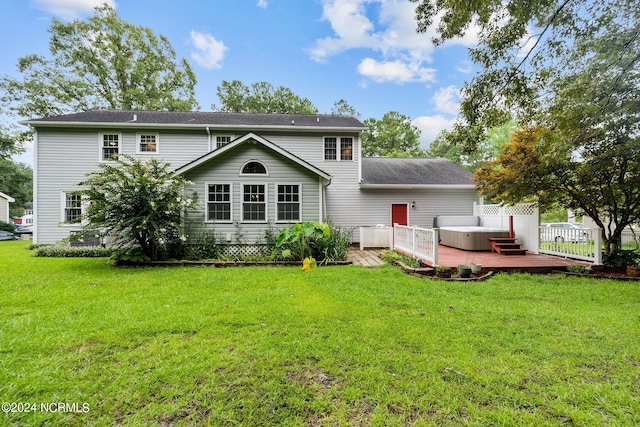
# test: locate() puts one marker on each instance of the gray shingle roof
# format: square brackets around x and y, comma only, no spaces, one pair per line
[195,118]
[413,171]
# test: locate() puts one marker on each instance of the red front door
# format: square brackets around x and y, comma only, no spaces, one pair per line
[399,214]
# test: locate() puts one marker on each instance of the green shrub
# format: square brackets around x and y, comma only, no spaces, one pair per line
[619,259]
[64,251]
[128,255]
[204,246]
[335,246]
[5,226]
[577,268]
[392,256]
[323,242]
[32,246]
[298,241]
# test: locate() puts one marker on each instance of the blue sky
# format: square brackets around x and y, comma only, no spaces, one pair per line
[364,51]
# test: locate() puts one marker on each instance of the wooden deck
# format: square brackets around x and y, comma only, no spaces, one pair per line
[530,263]
[490,261]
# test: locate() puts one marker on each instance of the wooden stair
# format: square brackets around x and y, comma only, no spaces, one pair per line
[506,246]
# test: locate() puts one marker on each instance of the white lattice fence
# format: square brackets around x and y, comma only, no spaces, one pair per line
[525,221]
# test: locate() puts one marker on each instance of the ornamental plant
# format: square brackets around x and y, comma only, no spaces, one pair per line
[137,205]
[298,241]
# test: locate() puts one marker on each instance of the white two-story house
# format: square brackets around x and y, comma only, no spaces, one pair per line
[251,171]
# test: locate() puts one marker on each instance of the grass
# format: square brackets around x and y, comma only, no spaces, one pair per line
[336,346]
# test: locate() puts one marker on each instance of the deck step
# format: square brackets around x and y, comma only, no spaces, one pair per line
[513,251]
[506,246]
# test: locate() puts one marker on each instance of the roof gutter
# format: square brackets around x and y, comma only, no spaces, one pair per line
[138,124]
[417,186]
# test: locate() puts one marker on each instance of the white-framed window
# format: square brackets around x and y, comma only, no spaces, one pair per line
[254,167]
[219,202]
[330,148]
[338,148]
[254,202]
[72,208]
[346,148]
[222,140]
[148,143]
[110,145]
[288,202]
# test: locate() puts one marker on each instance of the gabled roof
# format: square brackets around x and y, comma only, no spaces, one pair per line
[197,119]
[247,138]
[8,198]
[405,173]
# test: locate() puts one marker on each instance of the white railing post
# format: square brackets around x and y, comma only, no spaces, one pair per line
[597,250]
[435,246]
[413,241]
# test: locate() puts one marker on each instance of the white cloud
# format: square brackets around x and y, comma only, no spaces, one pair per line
[395,71]
[262,4]
[466,67]
[431,126]
[447,100]
[384,26]
[208,52]
[70,9]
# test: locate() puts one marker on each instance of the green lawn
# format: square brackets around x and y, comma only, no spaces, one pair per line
[336,346]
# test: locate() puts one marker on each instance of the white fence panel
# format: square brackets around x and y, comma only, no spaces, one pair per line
[375,237]
[525,221]
[417,242]
[572,243]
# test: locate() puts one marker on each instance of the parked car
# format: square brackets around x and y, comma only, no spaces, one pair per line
[24,230]
[7,235]
[561,232]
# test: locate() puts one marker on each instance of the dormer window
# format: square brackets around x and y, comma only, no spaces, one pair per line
[253,167]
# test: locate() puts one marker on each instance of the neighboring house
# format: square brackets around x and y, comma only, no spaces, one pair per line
[4,207]
[251,171]
[26,219]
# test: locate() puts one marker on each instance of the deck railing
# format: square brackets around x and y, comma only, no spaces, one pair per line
[417,242]
[575,243]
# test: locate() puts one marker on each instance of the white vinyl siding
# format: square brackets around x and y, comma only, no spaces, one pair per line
[225,169]
[148,143]
[63,157]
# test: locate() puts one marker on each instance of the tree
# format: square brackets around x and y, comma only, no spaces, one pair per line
[16,180]
[342,108]
[538,164]
[575,83]
[524,47]
[100,63]
[8,145]
[141,204]
[392,136]
[486,151]
[261,97]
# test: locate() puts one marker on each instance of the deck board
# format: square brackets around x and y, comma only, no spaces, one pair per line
[534,263]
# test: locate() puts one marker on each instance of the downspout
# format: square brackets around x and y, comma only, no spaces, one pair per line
[208,137]
[35,187]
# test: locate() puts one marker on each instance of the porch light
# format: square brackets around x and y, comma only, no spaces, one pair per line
[413,205]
